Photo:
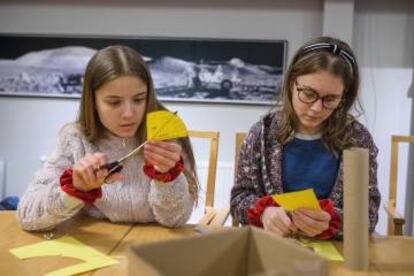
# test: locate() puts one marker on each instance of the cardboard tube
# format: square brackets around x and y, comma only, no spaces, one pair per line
[356,179]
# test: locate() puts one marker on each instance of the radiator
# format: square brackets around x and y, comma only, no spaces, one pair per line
[224,182]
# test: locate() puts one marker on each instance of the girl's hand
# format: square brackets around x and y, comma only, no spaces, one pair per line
[86,175]
[311,222]
[163,155]
[276,220]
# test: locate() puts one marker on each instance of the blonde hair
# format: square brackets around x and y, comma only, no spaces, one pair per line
[108,64]
[338,59]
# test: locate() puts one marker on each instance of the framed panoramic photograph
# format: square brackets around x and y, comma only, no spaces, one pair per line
[183,69]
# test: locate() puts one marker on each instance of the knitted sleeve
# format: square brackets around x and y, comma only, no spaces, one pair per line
[364,140]
[361,138]
[248,187]
[44,204]
[171,202]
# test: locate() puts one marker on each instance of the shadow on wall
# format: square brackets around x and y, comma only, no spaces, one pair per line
[409,196]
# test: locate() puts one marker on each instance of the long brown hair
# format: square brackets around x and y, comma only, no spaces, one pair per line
[337,58]
[108,64]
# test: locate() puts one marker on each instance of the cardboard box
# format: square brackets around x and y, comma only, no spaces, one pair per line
[237,251]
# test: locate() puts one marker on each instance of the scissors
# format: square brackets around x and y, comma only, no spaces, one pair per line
[118,165]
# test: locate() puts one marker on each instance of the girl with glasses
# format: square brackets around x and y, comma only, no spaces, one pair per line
[300,146]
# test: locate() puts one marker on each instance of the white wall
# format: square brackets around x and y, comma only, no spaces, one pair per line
[383,41]
[283,20]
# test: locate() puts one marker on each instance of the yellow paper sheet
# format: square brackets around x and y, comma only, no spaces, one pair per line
[162,125]
[293,200]
[68,247]
[324,249]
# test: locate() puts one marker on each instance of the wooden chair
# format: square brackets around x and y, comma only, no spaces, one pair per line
[240,136]
[395,219]
[209,212]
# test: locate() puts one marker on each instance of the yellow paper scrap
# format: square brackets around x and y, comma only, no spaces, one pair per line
[324,249]
[68,247]
[294,200]
[162,125]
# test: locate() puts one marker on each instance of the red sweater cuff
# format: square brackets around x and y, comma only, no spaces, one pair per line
[254,213]
[169,176]
[334,223]
[66,184]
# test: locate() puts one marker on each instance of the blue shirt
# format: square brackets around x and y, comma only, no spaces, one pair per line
[308,164]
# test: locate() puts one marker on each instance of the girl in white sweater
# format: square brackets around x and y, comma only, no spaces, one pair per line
[158,185]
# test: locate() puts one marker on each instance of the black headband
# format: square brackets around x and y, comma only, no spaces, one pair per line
[332,48]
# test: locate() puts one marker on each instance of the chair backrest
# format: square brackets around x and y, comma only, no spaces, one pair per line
[392,196]
[212,162]
[240,136]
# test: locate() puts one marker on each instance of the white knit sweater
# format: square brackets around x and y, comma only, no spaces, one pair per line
[136,199]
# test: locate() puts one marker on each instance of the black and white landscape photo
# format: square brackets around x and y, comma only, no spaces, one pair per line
[201,70]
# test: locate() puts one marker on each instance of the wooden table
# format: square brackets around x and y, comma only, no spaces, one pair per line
[101,235]
[142,234]
[388,255]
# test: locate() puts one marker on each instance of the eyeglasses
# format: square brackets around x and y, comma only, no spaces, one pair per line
[310,96]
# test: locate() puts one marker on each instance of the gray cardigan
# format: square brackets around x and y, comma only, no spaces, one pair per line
[136,199]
